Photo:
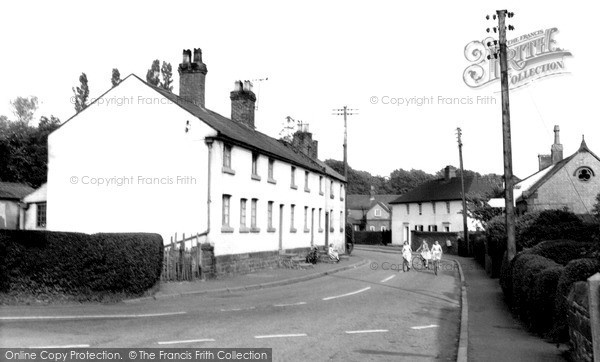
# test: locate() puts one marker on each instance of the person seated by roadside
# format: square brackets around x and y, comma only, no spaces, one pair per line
[333,254]
[406,255]
[425,253]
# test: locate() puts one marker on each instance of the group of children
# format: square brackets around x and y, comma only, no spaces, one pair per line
[435,254]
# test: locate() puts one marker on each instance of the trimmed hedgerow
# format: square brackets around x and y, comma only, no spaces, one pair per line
[562,251]
[506,277]
[576,270]
[543,298]
[525,271]
[76,263]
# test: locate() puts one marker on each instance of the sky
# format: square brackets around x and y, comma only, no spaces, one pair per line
[323,55]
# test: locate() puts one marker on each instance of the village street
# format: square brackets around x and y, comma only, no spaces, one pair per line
[367,313]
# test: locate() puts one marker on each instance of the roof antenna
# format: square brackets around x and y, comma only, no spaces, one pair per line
[258,81]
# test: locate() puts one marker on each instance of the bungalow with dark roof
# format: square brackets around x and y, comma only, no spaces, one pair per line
[142,159]
[435,206]
[11,194]
[572,183]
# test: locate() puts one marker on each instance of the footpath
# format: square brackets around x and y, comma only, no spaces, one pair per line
[493,333]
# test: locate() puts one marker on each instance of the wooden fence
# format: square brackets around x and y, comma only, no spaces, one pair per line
[182,262]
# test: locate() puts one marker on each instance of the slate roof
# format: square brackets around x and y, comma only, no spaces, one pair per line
[533,182]
[364,202]
[14,191]
[243,135]
[238,134]
[445,190]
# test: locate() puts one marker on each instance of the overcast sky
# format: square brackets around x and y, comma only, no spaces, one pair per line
[319,56]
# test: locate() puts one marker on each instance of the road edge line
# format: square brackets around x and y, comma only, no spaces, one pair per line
[276,283]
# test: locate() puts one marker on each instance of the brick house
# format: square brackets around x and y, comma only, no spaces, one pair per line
[162,163]
[572,183]
[370,212]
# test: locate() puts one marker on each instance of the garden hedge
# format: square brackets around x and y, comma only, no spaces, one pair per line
[524,276]
[576,270]
[562,251]
[543,299]
[76,263]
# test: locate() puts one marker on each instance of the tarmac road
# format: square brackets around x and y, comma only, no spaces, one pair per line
[372,313]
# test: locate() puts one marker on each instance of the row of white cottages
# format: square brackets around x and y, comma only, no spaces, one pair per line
[141,159]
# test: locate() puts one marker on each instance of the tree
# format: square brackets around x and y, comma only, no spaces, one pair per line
[402,181]
[167,76]
[596,208]
[153,74]
[24,108]
[116,77]
[24,150]
[81,93]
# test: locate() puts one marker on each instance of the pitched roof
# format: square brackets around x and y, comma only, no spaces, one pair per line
[534,181]
[364,202]
[14,191]
[248,137]
[237,133]
[445,190]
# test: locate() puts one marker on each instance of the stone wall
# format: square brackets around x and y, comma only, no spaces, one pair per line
[580,331]
[223,265]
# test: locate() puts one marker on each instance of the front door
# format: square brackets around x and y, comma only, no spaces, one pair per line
[280,227]
[312,227]
[326,229]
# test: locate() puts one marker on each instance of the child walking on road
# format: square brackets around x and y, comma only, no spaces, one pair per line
[406,256]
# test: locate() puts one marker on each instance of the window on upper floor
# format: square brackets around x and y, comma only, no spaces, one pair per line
[306,175]
[255,175]
[433,206]
[407,209]
[447,207]
[293,178]
[320,185]
[377,212]
[420,209]
[383,228]
[342,192]
[584,173]
[331,189]
[270,176]
[227,159]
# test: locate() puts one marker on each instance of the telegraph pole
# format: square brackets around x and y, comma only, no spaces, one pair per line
[508,175]
[345,112]
[462,187]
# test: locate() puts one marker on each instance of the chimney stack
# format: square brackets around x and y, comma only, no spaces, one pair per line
[372,193]
[449,173]
[192,77]
[242,103]
[303,142]
[556,151]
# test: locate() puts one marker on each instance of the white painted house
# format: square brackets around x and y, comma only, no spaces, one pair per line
[435,206]
[141,159]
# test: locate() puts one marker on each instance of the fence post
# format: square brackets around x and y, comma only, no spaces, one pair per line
[594,309]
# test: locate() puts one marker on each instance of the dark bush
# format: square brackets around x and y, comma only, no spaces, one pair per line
[543,298]
[576,270]
[479,248]
[506,277]
[76,263]
[562,251]
[495,235]
[553,225]
[524,274]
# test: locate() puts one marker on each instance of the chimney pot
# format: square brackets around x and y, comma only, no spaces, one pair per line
[192,77]
[243,102]
[556,151]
